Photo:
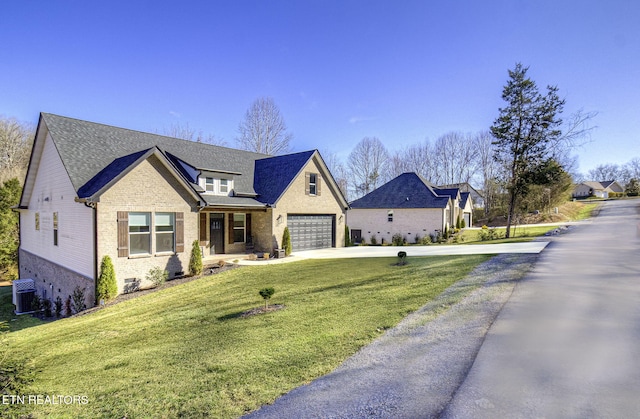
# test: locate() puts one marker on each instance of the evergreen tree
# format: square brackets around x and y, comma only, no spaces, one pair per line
[286,242]
[195,263]
[107,286]
[522,132]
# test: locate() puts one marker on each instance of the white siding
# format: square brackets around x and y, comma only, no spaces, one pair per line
[407,222]
[53,192]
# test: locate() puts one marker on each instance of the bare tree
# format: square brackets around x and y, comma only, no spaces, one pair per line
[456,158]
[185,132]
[338,171]
[603,172]
[263,129]
[16,139]
[419,159]
[367,165]
[489,170]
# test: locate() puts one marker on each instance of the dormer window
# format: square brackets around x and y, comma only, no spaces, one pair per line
[209,185]
[390,216]
[224,186]
[216,185]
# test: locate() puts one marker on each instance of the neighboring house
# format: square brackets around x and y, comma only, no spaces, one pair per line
[407,205]
[476,197]
[597,189]
[93,190]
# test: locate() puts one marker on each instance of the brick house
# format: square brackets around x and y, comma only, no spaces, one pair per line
[93,190]
[410,206]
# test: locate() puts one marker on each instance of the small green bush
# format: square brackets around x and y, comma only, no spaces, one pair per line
[286,242]
[374,241]
[488,234]
[58,306]
[107,288]
[77,300]
[46,307]
[266,293]
[36,303]
[195,262]
[157,276]
[426,239]
[68,307]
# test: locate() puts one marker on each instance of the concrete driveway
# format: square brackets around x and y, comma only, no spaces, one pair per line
[533,247]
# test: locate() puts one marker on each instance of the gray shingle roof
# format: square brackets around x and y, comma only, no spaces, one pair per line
[87,148]
[409,190]
[274,174]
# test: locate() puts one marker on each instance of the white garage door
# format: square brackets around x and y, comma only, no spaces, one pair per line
[311,231]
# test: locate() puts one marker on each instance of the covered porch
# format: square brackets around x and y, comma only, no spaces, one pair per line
[234,233]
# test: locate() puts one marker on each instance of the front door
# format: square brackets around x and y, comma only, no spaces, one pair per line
[216,225]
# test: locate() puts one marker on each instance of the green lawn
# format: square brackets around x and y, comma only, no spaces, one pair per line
[518,234]
[185,351]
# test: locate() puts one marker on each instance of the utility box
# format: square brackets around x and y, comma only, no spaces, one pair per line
[279,253]
[23,292]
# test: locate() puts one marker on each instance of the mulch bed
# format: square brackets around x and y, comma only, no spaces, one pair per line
[262,310]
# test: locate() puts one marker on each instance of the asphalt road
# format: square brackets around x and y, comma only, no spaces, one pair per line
[567,343]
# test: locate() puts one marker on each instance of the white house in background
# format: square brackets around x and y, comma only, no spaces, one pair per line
[410,206]
[597,189]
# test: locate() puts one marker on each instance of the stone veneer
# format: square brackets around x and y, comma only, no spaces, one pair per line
[45,273]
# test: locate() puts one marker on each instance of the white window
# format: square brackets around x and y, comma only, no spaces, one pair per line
[313,183]
[224,186]
[209,185]
[239,228]
[390,216]
[165,232]
[139,233]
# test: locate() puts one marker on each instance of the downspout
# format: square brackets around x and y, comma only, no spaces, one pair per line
[94,207]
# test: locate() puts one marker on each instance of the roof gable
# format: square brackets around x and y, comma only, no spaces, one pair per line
[273,175]
[409,190]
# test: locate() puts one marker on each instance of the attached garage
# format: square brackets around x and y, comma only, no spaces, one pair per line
[311,231]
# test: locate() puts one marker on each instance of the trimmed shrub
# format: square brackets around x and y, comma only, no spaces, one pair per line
[46,307]
[347,237]
[36,303]
[157,276]
[195,262]
[396,240]
[266,293]
[58,306]
[463,224]
[286,242]
[68,307]
[374,241]
[107,286]
[77,300]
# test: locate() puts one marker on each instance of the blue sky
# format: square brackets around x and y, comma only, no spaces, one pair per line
[339,71]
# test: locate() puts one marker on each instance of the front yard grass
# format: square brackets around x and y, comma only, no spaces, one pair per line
[186,352]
